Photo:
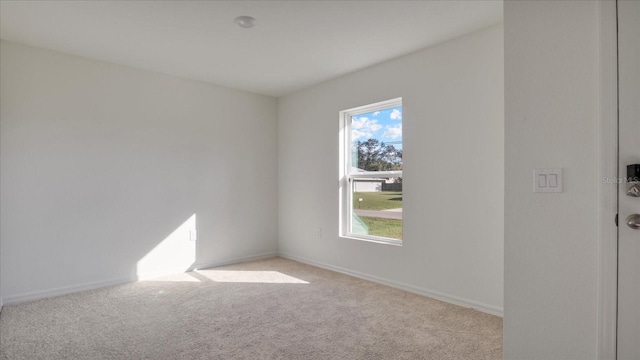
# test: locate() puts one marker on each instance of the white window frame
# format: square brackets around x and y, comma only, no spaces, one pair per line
[346,177]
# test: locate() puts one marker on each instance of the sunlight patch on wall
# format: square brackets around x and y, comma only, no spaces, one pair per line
[241,276]
[176,253]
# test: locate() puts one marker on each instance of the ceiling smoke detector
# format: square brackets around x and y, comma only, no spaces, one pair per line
[245,22]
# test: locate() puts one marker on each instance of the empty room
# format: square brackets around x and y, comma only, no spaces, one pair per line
[226,179]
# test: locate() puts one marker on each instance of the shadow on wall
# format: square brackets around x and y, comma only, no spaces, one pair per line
[105,169]
[176,253]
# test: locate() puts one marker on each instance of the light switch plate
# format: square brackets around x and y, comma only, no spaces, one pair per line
[547,180]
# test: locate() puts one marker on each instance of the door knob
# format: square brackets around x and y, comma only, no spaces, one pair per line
[633,221]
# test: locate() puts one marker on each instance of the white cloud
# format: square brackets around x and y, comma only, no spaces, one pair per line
[355,134]
[393,132]
[363,127]
[396,114]
[376,113]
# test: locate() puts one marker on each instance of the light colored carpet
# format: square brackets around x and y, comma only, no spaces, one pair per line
[267,309]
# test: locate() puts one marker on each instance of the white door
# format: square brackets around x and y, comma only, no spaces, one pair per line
[629,142]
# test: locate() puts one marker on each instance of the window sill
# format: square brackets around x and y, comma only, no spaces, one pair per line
[376,240]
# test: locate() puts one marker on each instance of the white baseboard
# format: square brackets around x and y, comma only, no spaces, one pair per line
[164,272]
[63,290]
[40,294]
[236,260]
[489,309]
[35,295]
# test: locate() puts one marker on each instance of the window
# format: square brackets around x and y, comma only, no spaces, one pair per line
[371,172]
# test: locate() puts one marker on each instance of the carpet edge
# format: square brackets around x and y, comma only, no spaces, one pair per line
[65,290]
[451,299]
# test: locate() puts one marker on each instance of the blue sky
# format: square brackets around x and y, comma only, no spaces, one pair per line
[384,125]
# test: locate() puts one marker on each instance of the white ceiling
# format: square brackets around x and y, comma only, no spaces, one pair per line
[295,44]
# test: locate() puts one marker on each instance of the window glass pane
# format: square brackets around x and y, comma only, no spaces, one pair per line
[376,141]
[377,207]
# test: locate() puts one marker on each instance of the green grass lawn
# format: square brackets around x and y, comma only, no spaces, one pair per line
[389,228]
[377,200]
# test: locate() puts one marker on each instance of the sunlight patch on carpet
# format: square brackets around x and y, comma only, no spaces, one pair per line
[242,276]
[182,277]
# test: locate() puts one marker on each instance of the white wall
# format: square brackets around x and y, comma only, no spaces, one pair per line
[551,72]
[1,299]
[103,165]
[453,122]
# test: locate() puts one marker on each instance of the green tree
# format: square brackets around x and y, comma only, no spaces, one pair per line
[374,155]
